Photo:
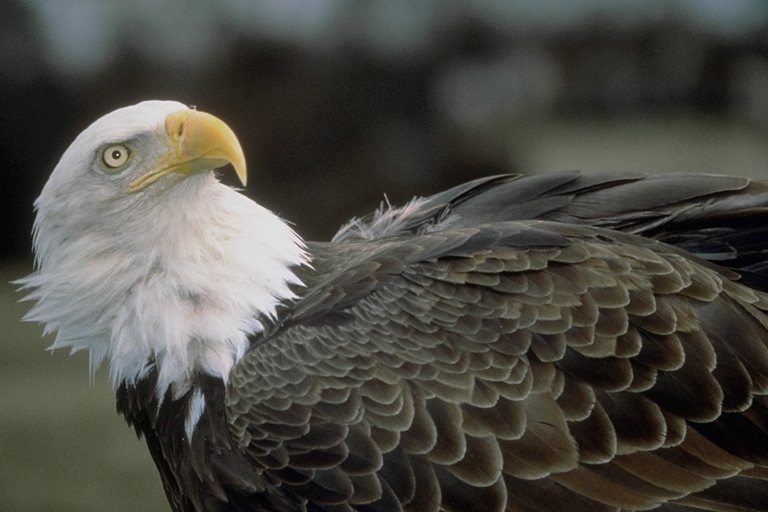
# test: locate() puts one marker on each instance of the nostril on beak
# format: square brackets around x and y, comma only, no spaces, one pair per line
[176,124]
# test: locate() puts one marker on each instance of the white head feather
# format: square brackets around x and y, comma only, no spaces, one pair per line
[176,274]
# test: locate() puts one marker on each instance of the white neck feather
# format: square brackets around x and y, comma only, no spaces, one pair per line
[180,287]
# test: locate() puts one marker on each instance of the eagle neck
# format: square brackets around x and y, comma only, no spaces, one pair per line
[219,267]
[176,287]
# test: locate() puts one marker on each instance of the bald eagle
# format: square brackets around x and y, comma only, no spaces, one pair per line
[558,342]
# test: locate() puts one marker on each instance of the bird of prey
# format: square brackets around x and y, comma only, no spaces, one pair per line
[557,342]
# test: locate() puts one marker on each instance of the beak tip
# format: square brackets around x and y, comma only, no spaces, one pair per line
[242,175]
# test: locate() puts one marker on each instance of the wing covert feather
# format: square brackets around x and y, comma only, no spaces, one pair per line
[478,369]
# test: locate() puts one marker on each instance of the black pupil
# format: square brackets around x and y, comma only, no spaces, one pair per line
[116,154]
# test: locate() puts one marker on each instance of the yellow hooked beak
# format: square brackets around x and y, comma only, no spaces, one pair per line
[198,142]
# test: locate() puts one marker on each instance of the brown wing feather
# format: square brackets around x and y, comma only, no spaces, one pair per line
[517,366]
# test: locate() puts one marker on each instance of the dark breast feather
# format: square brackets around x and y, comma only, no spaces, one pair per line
[529,365]
[207,473]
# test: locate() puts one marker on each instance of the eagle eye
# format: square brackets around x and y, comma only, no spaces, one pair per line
[115,156]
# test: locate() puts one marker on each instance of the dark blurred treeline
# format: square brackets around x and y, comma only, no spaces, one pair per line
[338,102]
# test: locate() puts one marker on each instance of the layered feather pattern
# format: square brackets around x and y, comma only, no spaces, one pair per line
[518,364]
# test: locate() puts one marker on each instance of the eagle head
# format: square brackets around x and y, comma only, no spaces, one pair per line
[144,258]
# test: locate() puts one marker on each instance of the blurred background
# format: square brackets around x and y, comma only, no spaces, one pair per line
[337,103]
